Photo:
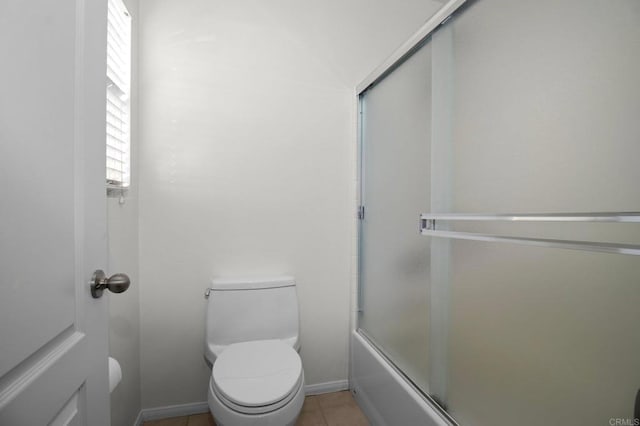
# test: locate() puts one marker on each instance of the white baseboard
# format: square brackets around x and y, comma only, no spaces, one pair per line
[138,421]
[326,387]
[158,413]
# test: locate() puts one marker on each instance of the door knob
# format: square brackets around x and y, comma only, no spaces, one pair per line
[116,283]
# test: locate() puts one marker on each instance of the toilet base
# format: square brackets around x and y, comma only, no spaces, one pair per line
[286,415]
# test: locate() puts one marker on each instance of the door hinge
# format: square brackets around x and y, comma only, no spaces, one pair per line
[361,212]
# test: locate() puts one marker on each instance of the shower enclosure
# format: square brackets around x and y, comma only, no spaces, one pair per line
[499,236]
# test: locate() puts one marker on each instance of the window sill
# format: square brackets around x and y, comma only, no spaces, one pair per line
[116,191]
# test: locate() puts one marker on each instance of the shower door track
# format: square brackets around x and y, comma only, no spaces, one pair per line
[428,399]
[411,45]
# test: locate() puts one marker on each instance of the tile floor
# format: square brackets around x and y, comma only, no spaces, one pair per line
[329,409]
[204,419]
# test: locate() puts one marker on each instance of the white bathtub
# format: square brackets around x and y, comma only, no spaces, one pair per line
[384,395]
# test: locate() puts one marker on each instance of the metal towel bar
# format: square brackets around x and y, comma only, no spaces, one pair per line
[537,217]
[428,228]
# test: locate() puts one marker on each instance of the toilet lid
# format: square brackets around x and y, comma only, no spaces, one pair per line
[257,373]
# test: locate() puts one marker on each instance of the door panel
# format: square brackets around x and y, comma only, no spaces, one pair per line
[53,352]
[70,415]
[544,120]
[394,257]
[48,379]
[37,151]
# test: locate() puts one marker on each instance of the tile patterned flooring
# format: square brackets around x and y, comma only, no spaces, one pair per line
[329,409]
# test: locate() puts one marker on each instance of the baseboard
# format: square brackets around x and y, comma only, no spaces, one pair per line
[158,413]
[138,421]
[326,387]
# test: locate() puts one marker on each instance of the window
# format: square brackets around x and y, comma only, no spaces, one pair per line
[118,94]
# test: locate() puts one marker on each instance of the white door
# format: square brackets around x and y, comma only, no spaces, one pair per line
[53,334]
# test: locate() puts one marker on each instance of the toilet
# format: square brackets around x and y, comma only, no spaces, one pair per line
[252,342]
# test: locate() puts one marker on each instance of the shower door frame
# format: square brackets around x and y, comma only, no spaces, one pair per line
[395,60]
[426,221]
[387,67]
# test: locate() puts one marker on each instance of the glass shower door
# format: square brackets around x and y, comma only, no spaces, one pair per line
[394,258]
[515,128]
[544,284]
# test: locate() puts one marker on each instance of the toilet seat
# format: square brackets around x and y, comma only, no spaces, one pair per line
[257,377]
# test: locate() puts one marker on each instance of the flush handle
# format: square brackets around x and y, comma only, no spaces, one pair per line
[116,283]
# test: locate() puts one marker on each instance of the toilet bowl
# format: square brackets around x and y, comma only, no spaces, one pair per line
[257,383]
[252,341]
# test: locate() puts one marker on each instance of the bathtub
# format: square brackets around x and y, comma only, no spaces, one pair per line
[384,395]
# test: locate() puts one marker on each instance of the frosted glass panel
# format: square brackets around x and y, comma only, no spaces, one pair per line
[546,106]
[542,336]
[394,257]
[545,113]
[512,106]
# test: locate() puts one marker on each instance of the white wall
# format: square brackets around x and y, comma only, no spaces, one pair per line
[124,308]
[124,320]
[247,159]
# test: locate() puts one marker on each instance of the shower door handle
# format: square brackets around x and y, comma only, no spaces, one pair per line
[428,228]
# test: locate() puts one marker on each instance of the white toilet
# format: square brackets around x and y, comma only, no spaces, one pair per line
[252,339]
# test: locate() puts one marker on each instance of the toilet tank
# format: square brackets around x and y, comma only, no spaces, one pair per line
[245,309]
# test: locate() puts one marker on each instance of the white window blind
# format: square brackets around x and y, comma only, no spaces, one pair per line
[118,94]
